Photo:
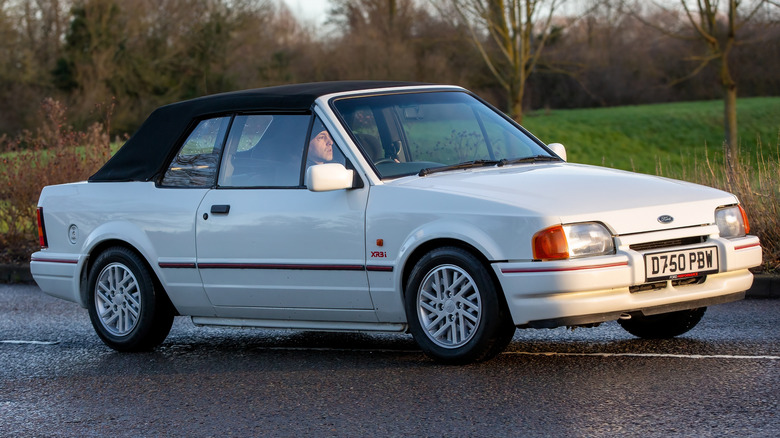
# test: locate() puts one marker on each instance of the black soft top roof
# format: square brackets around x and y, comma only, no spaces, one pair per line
[143,156]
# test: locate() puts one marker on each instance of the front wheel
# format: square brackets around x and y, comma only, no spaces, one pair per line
[453,308]
[126,309]
[663,326]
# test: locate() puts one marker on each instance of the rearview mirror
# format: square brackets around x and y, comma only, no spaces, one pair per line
[558,149]
[329,176]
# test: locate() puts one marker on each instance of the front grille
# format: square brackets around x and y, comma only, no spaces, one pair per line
[668,243]
[662,284]
[647,286]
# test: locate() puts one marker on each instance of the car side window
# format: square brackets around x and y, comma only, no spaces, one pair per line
[196,163]
[363,125]
[264,150]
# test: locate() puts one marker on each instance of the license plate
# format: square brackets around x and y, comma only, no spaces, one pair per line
[686,263]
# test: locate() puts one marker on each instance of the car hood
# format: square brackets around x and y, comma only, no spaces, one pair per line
[566,193]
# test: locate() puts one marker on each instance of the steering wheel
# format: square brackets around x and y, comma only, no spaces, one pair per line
[385,160]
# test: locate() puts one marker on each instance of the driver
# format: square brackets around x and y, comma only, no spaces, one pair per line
[320,145]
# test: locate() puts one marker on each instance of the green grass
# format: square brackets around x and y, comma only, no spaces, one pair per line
[639,137]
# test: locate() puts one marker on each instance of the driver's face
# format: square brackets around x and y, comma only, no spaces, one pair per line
[321,148]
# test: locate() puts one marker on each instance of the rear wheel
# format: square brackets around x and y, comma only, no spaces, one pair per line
[663,326]
[453,308]
[126,309]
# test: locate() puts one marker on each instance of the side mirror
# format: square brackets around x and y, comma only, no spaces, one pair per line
[329,176]
[559,149]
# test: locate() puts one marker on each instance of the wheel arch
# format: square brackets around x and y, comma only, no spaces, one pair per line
[430,245]
[98,249]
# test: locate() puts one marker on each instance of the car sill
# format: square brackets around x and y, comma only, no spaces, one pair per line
[299,325]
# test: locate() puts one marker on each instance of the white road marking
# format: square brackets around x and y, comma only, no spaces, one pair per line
[30,342]
[662,355]
[546,353]
[517,353]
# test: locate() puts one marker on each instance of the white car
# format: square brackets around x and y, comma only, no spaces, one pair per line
[380,206]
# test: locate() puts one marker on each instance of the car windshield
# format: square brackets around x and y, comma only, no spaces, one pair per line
[427,132]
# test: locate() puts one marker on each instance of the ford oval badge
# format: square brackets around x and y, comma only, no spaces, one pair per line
[665,219]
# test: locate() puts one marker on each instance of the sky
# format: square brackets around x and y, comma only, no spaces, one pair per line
[309,9]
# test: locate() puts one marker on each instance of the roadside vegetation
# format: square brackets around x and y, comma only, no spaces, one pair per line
[674,140]
[55,153]
[755,179]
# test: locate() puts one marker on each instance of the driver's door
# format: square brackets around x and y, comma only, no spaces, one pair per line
[268,247]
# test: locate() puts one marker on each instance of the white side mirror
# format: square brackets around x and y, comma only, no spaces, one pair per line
[329,176]
[559,149]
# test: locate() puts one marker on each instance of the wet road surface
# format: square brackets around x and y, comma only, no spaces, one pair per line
[58,379]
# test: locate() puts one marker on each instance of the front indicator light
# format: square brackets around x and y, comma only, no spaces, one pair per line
[745,219]
[550,244]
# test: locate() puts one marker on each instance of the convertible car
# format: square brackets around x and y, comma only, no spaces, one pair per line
[380,206]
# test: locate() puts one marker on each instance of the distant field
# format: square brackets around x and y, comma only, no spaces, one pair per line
[638,137]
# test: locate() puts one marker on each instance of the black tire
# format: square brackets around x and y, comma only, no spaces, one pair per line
[663,326]
[471,324]
[127,310]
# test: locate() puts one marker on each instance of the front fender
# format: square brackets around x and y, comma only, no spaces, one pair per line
[444,229]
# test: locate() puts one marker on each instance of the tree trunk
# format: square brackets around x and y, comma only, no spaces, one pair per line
[730,119]
[729,84]
[516,103]
[730,146]
[730,140]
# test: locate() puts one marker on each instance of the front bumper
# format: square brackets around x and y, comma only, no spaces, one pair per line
[598,289]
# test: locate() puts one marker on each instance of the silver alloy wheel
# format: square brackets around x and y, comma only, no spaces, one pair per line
[449,306]
[117,299]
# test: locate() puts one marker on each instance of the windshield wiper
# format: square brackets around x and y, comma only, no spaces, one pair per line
[464,165]
[485,163]
[534,159]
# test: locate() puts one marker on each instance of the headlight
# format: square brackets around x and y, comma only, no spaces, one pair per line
[732,222]
[572,241]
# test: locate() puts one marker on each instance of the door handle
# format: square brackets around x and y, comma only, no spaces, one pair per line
[220,209]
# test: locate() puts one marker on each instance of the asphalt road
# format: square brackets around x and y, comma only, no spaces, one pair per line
[58,379]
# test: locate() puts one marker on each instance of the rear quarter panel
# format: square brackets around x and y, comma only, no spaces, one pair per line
[158,223]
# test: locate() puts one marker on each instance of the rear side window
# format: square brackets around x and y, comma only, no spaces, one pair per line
[195,165]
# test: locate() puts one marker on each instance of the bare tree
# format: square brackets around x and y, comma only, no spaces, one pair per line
[30,39]
[373,41]
[717,23]
[720,41]
[510,35]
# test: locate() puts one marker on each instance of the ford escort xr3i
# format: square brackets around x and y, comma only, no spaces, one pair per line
[380,206]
